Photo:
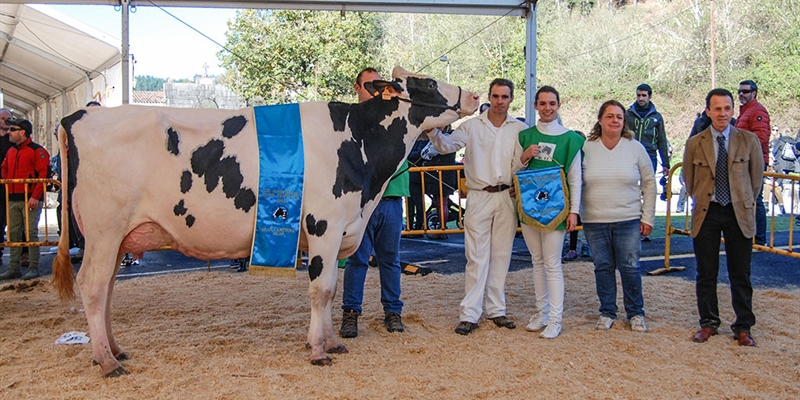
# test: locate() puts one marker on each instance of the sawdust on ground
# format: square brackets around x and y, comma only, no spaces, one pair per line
[222,335]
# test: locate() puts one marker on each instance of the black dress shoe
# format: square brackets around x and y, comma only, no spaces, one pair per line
[465,327]
[504,322]
[703,334]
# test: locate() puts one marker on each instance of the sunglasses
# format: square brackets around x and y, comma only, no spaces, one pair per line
[14,129]
[745,91]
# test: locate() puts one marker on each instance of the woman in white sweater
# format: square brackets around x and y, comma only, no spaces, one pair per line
[617,208]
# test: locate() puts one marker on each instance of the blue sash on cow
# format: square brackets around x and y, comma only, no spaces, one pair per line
[280,190]
[542,197]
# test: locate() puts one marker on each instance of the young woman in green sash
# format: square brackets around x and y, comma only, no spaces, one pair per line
[549,144]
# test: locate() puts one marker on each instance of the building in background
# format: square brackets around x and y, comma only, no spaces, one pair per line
[202,93]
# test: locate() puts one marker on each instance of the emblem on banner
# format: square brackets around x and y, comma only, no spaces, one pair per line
[280,212]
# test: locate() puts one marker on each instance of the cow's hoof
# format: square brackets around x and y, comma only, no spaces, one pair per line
[120,371]
[120,357]
[324,362]
[340,349]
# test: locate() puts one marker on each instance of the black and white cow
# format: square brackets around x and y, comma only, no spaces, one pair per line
[147,177]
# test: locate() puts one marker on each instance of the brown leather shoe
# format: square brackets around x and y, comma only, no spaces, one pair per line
[703,334]
[744,339]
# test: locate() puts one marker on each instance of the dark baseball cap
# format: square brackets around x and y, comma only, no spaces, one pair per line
[21,123]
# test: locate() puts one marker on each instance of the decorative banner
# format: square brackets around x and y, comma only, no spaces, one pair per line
[280,190]
[542,197]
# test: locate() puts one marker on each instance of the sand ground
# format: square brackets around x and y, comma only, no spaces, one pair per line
[222,335]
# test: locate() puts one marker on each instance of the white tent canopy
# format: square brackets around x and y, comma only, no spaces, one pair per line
[44,54]
[482,7]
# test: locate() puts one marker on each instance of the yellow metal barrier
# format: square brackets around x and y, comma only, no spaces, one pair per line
[28,243]
[435,172]
[770,248]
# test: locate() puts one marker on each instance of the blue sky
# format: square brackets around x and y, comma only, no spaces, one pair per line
[163,46]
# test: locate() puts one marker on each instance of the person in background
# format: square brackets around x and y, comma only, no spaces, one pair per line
[782,161]
[754,117]
[618,206]
[723,170]
[416,200]
[647,126]
[5,144]
[441,199]
[424,155]
[24,160]
[572,246]
[796,193]
[490,140]
[382,235]
[563,150]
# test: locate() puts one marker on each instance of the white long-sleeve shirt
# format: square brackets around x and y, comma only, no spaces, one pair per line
[489,150]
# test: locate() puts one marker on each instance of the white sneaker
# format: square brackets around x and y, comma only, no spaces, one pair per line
[604,323]
[538,322]
[552,331]
[637,324]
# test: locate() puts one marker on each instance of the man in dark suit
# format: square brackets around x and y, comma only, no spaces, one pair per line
[722,169]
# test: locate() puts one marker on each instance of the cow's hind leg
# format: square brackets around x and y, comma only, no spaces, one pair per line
[323,274]
[331,342]
[96,280]
[112,342]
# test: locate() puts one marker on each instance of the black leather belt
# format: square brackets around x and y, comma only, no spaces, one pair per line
[390,198]
[497,188]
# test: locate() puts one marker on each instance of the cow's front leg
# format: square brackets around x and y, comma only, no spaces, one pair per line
[322,289]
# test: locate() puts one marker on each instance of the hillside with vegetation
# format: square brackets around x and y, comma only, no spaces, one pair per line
[590,51]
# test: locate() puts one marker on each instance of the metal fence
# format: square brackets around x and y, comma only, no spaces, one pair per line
[770,188]
[27,235]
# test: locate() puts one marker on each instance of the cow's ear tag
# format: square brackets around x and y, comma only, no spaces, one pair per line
[387,94]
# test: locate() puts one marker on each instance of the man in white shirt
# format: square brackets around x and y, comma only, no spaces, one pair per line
[491,140]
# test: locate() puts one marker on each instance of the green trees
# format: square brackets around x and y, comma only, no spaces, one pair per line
[288,56]
[590,56]
[149,83]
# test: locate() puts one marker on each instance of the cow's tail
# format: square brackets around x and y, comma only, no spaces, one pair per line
[63,272]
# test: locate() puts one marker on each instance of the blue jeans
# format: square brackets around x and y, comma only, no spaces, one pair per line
[653,160]
[382,235]
[616,245]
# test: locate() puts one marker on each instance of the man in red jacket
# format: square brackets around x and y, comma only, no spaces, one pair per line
[25,159]
[754,117]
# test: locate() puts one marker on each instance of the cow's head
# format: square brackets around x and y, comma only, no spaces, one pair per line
[432,103]
[384,128]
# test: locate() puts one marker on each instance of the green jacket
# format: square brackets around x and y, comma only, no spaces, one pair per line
[648,129]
